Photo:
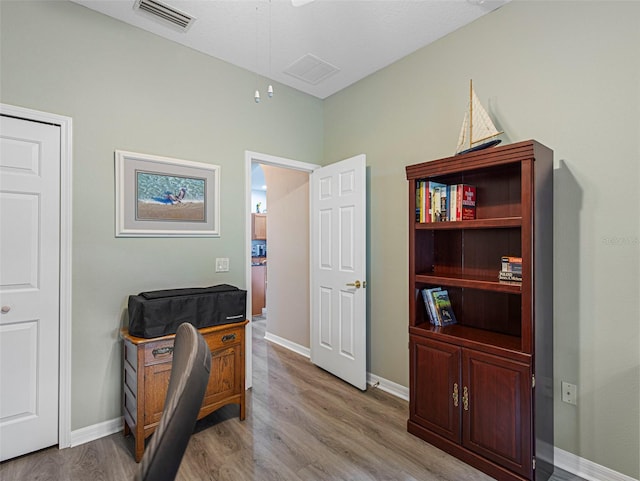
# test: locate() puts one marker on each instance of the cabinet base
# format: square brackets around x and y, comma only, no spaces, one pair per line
[139,438]
[472,459]
[147,368]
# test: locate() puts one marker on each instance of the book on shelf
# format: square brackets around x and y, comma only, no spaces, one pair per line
[418,202]
[462,204]
[512,264]
[444,204]
[510,276]
[453,203]
[429,304]
[436,190]
[443,307]
[438,202]
[424,196]
[468,202]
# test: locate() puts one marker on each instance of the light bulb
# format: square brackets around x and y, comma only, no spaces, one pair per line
[257,96]
[270,91]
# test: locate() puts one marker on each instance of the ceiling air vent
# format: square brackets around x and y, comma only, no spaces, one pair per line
[311,69]
[165,13]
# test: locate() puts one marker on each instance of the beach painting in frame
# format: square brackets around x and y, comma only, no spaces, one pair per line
[170,197]
[164,197]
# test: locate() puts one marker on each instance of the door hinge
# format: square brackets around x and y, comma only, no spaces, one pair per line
[533,381]
[533,463]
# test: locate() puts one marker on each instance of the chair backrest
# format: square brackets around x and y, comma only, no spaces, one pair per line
[187,384]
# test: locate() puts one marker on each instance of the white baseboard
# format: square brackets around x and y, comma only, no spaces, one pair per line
[586,469]
[292,346]
[388,386]
[96,431]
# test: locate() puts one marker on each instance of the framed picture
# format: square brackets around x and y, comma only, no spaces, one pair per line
[164,197]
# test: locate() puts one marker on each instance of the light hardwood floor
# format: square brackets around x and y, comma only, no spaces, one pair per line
[302,424]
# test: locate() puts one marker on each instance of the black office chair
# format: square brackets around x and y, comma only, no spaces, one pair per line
[187,384]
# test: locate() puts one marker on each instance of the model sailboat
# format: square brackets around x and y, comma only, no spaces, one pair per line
[478,131]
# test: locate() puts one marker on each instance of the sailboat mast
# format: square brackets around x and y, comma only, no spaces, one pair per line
[470,112]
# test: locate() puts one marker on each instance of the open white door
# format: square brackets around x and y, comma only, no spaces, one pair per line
[338,270]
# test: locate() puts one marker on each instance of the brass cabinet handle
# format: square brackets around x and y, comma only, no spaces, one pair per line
[465,398]
[355,284]
[455,394]
[229,337]
[162,351]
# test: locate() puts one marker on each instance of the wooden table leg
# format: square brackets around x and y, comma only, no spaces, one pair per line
[242,408]
[139,443]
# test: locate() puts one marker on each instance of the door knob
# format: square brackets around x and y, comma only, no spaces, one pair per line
[355,284]
[5,309]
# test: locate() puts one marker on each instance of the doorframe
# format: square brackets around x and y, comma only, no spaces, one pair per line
[266,159]
[64,343]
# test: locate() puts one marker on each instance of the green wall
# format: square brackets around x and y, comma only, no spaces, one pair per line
[568,75]
[128,89]
[564,73]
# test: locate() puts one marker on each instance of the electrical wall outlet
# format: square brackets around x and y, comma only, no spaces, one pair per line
[222,264]
[569,393]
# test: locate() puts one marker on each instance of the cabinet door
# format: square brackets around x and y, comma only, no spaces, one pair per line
[259,226]
[497,411]
[156,383]
[224,380]
[258,274]
[435,386]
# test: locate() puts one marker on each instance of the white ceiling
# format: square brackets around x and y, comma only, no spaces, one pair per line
[358,37]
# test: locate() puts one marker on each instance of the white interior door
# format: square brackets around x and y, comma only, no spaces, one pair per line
[29,285]
[338,270]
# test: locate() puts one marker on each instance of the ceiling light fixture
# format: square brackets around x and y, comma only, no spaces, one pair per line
[256,95]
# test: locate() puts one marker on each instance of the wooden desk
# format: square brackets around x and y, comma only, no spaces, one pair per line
[147,366]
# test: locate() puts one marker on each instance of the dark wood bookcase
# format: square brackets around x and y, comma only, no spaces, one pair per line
[482,389]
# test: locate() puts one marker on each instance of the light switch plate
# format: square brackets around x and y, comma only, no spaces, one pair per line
[222,264]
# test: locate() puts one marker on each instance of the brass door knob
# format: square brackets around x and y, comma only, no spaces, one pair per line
[355,284]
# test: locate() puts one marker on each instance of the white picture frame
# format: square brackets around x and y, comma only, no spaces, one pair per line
[165,197]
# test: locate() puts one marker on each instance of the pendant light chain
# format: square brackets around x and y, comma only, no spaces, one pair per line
[256,95]
[270,87]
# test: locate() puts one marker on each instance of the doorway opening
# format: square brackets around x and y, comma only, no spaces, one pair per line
[286,251]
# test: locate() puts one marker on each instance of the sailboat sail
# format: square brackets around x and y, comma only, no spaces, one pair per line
[477,127]
[464,131]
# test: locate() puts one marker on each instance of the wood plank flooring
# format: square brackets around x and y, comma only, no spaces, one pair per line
[302,424]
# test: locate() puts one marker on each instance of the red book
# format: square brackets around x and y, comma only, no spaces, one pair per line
[468,202]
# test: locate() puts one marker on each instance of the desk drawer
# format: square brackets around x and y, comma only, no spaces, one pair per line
[162,351]
[158,352]
[225,338]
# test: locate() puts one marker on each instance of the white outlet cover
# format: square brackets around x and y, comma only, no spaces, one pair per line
[569,392]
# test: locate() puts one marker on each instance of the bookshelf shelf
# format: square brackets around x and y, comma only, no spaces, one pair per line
[475,282]
[472,383]
[471,337]
[471,224]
